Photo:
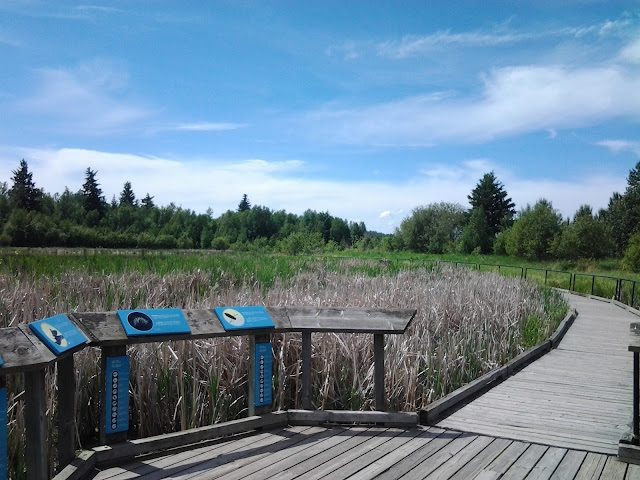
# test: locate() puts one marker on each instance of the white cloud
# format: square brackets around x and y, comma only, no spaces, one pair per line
[415,45]
[209,126]
[348,51]
[631,53]
[513,101]
[419,45]
[87,99]
[617,146]
[208,182]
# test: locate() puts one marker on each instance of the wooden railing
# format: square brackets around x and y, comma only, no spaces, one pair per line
[23,353]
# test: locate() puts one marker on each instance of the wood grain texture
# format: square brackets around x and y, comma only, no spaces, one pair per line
[20,354]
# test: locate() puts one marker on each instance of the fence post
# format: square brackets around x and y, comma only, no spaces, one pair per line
[66,381]
[36,424]
[306,370]
[633,294]
[378,371]
[546,272]
[593,283]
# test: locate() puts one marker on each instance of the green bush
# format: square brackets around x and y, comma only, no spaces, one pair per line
[631,260]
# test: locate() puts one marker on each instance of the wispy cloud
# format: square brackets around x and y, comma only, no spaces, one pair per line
[90,99]
[418,45]
[348,51]
[618,146]
[514,100]
[208,126]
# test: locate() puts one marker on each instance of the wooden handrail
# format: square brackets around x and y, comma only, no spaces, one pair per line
[22,352]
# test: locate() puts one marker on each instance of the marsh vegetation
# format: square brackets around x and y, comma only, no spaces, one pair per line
[468,322]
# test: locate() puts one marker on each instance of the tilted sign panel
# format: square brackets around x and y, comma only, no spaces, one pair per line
[58,333]
[243,318]
[161,321]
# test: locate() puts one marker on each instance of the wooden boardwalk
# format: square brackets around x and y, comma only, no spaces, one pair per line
[381,453]
[559,418]
[577,396]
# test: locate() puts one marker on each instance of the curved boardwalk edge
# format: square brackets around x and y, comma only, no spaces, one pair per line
[444,406]
[577,396]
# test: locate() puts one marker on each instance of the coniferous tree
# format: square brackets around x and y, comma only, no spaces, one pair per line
[244,204]
[491,196]
[147,202]
[127,197]
[23,193]
[92,193]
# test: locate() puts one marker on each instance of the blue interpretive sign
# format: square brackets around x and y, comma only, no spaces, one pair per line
[3,433]
[117,395]
[243,318]
[161,321]
[58,333]
[263,374]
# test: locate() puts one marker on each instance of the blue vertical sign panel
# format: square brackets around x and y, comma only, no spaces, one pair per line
[3,433]
[117,395]
[263,374]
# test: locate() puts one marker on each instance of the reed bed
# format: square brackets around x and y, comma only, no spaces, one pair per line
[467,324]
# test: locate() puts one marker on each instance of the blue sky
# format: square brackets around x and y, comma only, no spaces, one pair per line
[363,109]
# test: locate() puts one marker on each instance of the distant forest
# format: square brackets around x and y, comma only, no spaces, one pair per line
[30,217]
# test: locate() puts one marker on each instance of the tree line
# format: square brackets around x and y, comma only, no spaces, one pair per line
[30,217]
[537,232]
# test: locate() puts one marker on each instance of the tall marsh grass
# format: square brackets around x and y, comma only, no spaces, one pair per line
[467,324]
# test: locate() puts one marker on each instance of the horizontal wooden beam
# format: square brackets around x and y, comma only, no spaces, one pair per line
[109,455]
[79,468]
[317,417]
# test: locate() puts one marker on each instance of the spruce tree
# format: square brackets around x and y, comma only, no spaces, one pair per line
[127,197]
[244,204]
[92,193]
[23,193]
[491,196]
[147,202]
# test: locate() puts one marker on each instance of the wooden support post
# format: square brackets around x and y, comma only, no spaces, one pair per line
[306,370]
[253,409]
[378,371]
[4,474]
[36,425]
[105,352]
[66,381]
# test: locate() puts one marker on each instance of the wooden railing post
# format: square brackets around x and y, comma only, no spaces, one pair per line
[260,388]
[306,370]
[66,381]
[36,425]
[4,474]
[378,371]
[636,398]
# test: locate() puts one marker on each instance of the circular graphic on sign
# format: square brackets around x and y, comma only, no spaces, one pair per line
[54,335]
[140,321]
[233,317]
